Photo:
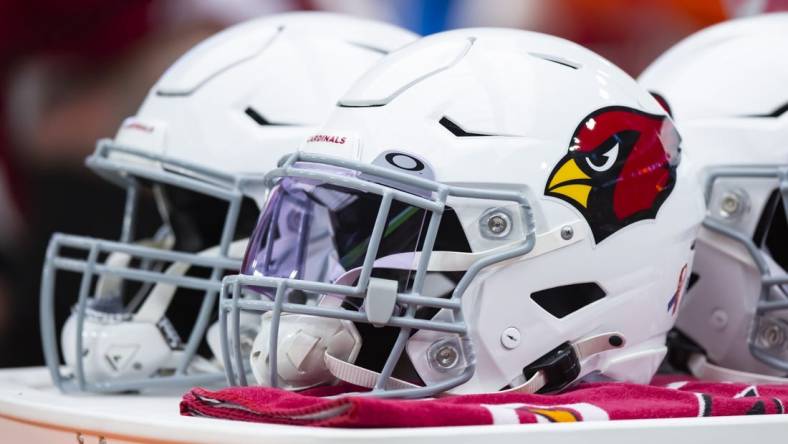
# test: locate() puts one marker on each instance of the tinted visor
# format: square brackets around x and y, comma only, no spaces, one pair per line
[315,231]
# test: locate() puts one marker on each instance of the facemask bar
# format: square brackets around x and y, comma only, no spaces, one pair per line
[175,172]
[126,173]
[231,301]
[768,280]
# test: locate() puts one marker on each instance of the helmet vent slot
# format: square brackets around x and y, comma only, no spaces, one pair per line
[456,130]
[369,47]
[567,299]
[260,120]
[779,111]
[782,109]
[557,60]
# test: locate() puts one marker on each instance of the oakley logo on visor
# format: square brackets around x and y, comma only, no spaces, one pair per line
[404,161]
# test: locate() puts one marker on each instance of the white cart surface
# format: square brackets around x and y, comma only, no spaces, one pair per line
[33,411]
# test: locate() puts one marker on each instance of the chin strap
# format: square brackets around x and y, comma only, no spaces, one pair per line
[158,299]
[530,386]
[360,376]
[701,368]
[109,286]
[552,372]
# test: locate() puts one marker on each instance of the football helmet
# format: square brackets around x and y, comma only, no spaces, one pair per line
[225,111]
[485,210]
[727,91]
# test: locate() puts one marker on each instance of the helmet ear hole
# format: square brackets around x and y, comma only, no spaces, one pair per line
[566,299]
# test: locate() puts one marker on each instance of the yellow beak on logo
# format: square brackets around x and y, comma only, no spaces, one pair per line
[565,182]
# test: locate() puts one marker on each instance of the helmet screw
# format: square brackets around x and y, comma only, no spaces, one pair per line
[719,319]
[567,232]
[730,204]
[733,203]
[510,338]
[495,223]
[446,356]
[772,335]
[498,224]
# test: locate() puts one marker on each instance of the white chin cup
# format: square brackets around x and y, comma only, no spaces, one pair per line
[303,341]
[115,350]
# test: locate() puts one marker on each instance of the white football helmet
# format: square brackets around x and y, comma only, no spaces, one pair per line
[486,210]
[726,87]
[224,112]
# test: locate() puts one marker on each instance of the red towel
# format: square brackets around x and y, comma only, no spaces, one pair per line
[586,402]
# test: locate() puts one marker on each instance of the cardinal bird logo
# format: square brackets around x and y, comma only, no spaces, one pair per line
[620,168]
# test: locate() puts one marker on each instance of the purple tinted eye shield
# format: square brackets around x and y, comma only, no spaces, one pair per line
[298,227]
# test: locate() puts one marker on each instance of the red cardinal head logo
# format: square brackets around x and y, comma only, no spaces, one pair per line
[620,168]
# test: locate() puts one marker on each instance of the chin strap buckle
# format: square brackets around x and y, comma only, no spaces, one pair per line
[558,368]
[562,366]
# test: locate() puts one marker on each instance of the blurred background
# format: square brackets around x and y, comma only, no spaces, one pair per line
[71,70]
